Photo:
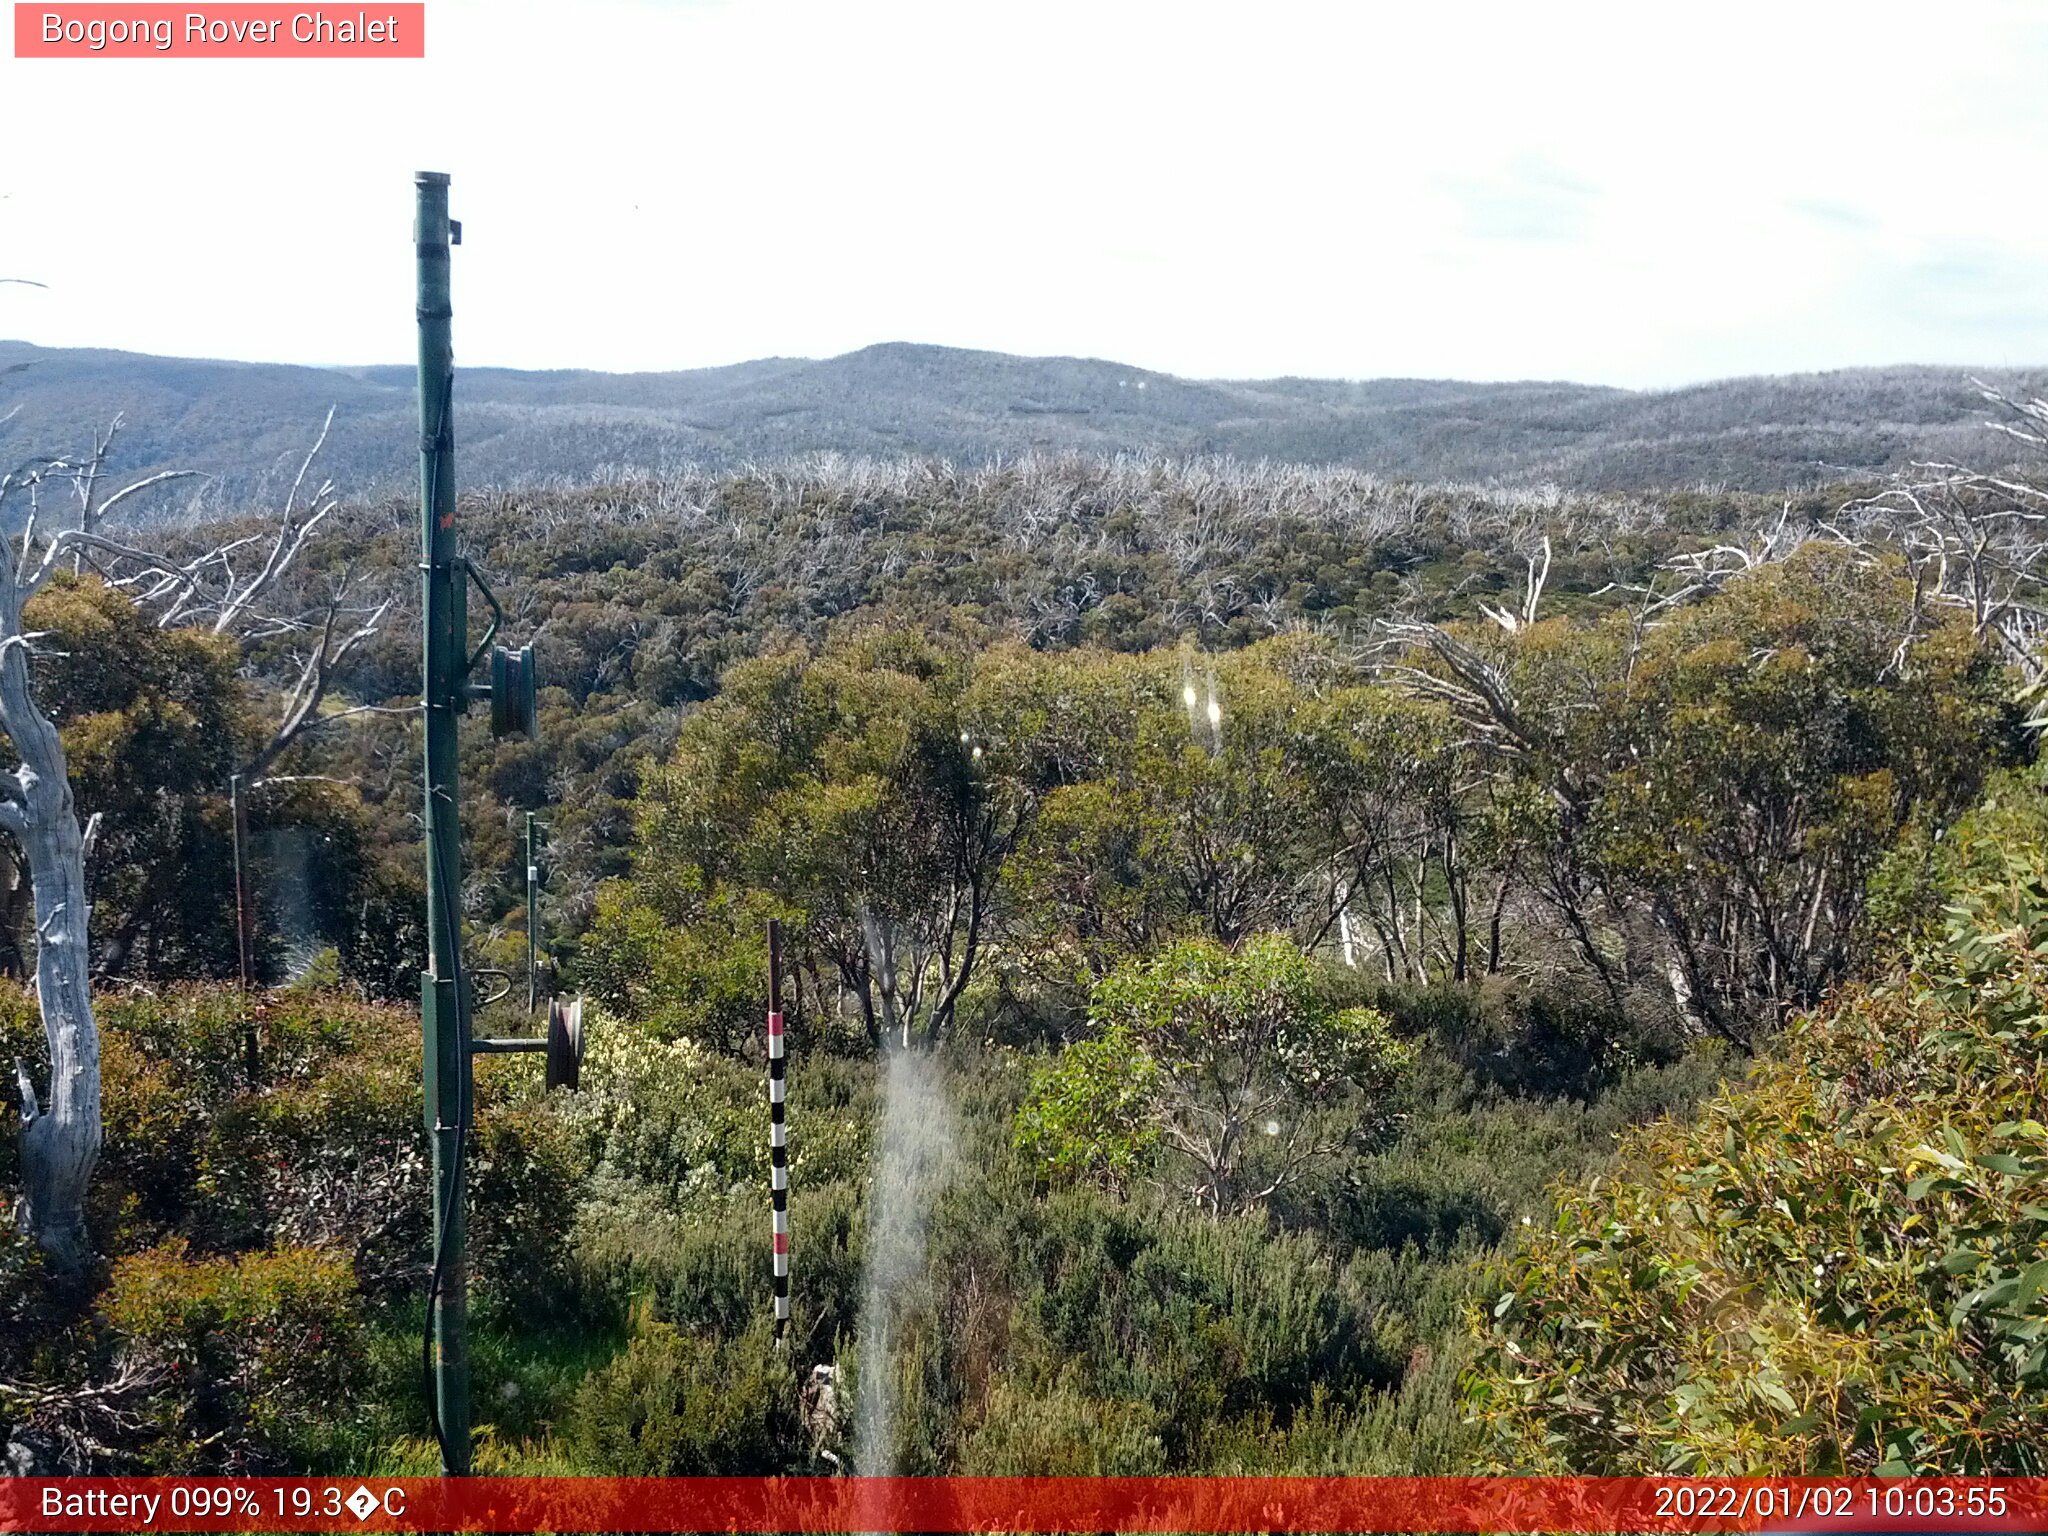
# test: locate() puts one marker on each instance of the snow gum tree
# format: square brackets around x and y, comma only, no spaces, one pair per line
[62,508]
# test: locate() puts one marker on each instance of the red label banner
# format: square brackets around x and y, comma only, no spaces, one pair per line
[948,1504]
[227,31]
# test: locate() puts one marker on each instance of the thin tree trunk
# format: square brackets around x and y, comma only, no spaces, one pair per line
[1386,945]
[1454,883]
[1568,906]
[1394,920]
[1421,934]
[1500,902]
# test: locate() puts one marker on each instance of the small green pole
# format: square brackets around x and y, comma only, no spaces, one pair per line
[532,916]
[241,822]
[244,954]
[443,995]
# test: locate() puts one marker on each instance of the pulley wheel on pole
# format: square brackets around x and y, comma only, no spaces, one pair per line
[565,1042]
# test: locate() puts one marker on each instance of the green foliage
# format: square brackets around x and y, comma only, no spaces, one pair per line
[691,967]
[1076,1329]
[152,721]
[1061,1433]
[846,792]
[1203,1320]
[1689,816]
[1083,892]
[939,725]
[296,1200]
[526,1172]
[1090,1111]
[1204,1009]
[1708,799]
[1262,791]
[1767,753]
[1155,1339]
[677,1406]
[673,1118]
[322,881]
[1566,1040]
[1240,1068]
[650,592]
[252,1359]
[322,1150]
[1839,1267]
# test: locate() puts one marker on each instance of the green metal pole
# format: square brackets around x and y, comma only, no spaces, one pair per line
[251,1060]
[444,997]
[241,819]
[533,912]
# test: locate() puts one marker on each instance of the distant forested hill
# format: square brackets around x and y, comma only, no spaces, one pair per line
[248,423]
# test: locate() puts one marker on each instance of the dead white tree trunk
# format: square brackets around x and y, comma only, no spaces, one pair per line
[60,1135]
[218,597]
[60,1129]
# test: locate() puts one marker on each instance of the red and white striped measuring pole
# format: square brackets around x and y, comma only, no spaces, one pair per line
[778,1139]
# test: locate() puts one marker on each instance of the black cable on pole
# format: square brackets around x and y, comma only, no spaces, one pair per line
[446,1213]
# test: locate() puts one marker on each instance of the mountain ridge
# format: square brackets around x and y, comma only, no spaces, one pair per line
[245,424]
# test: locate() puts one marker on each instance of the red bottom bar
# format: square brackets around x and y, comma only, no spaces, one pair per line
[964,1504]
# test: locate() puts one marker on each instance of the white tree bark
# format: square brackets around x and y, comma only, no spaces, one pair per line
[60,1134]
[60,1127]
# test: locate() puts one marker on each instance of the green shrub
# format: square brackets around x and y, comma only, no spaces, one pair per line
[672,1128]
[1839,1267]
[256,1357]
[526,1172]
[669,1114]
[33,1312]
[325,1148]
[1061,1433]
[1090,1112]
[675,1405]
[1199,1320]
[333,1157]
[684,964]
[1413,1430]
[1231,1059]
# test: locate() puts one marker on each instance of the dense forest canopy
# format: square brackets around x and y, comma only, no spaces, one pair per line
[1274,876]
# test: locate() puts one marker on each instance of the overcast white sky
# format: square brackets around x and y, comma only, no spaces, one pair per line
[1638,194]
